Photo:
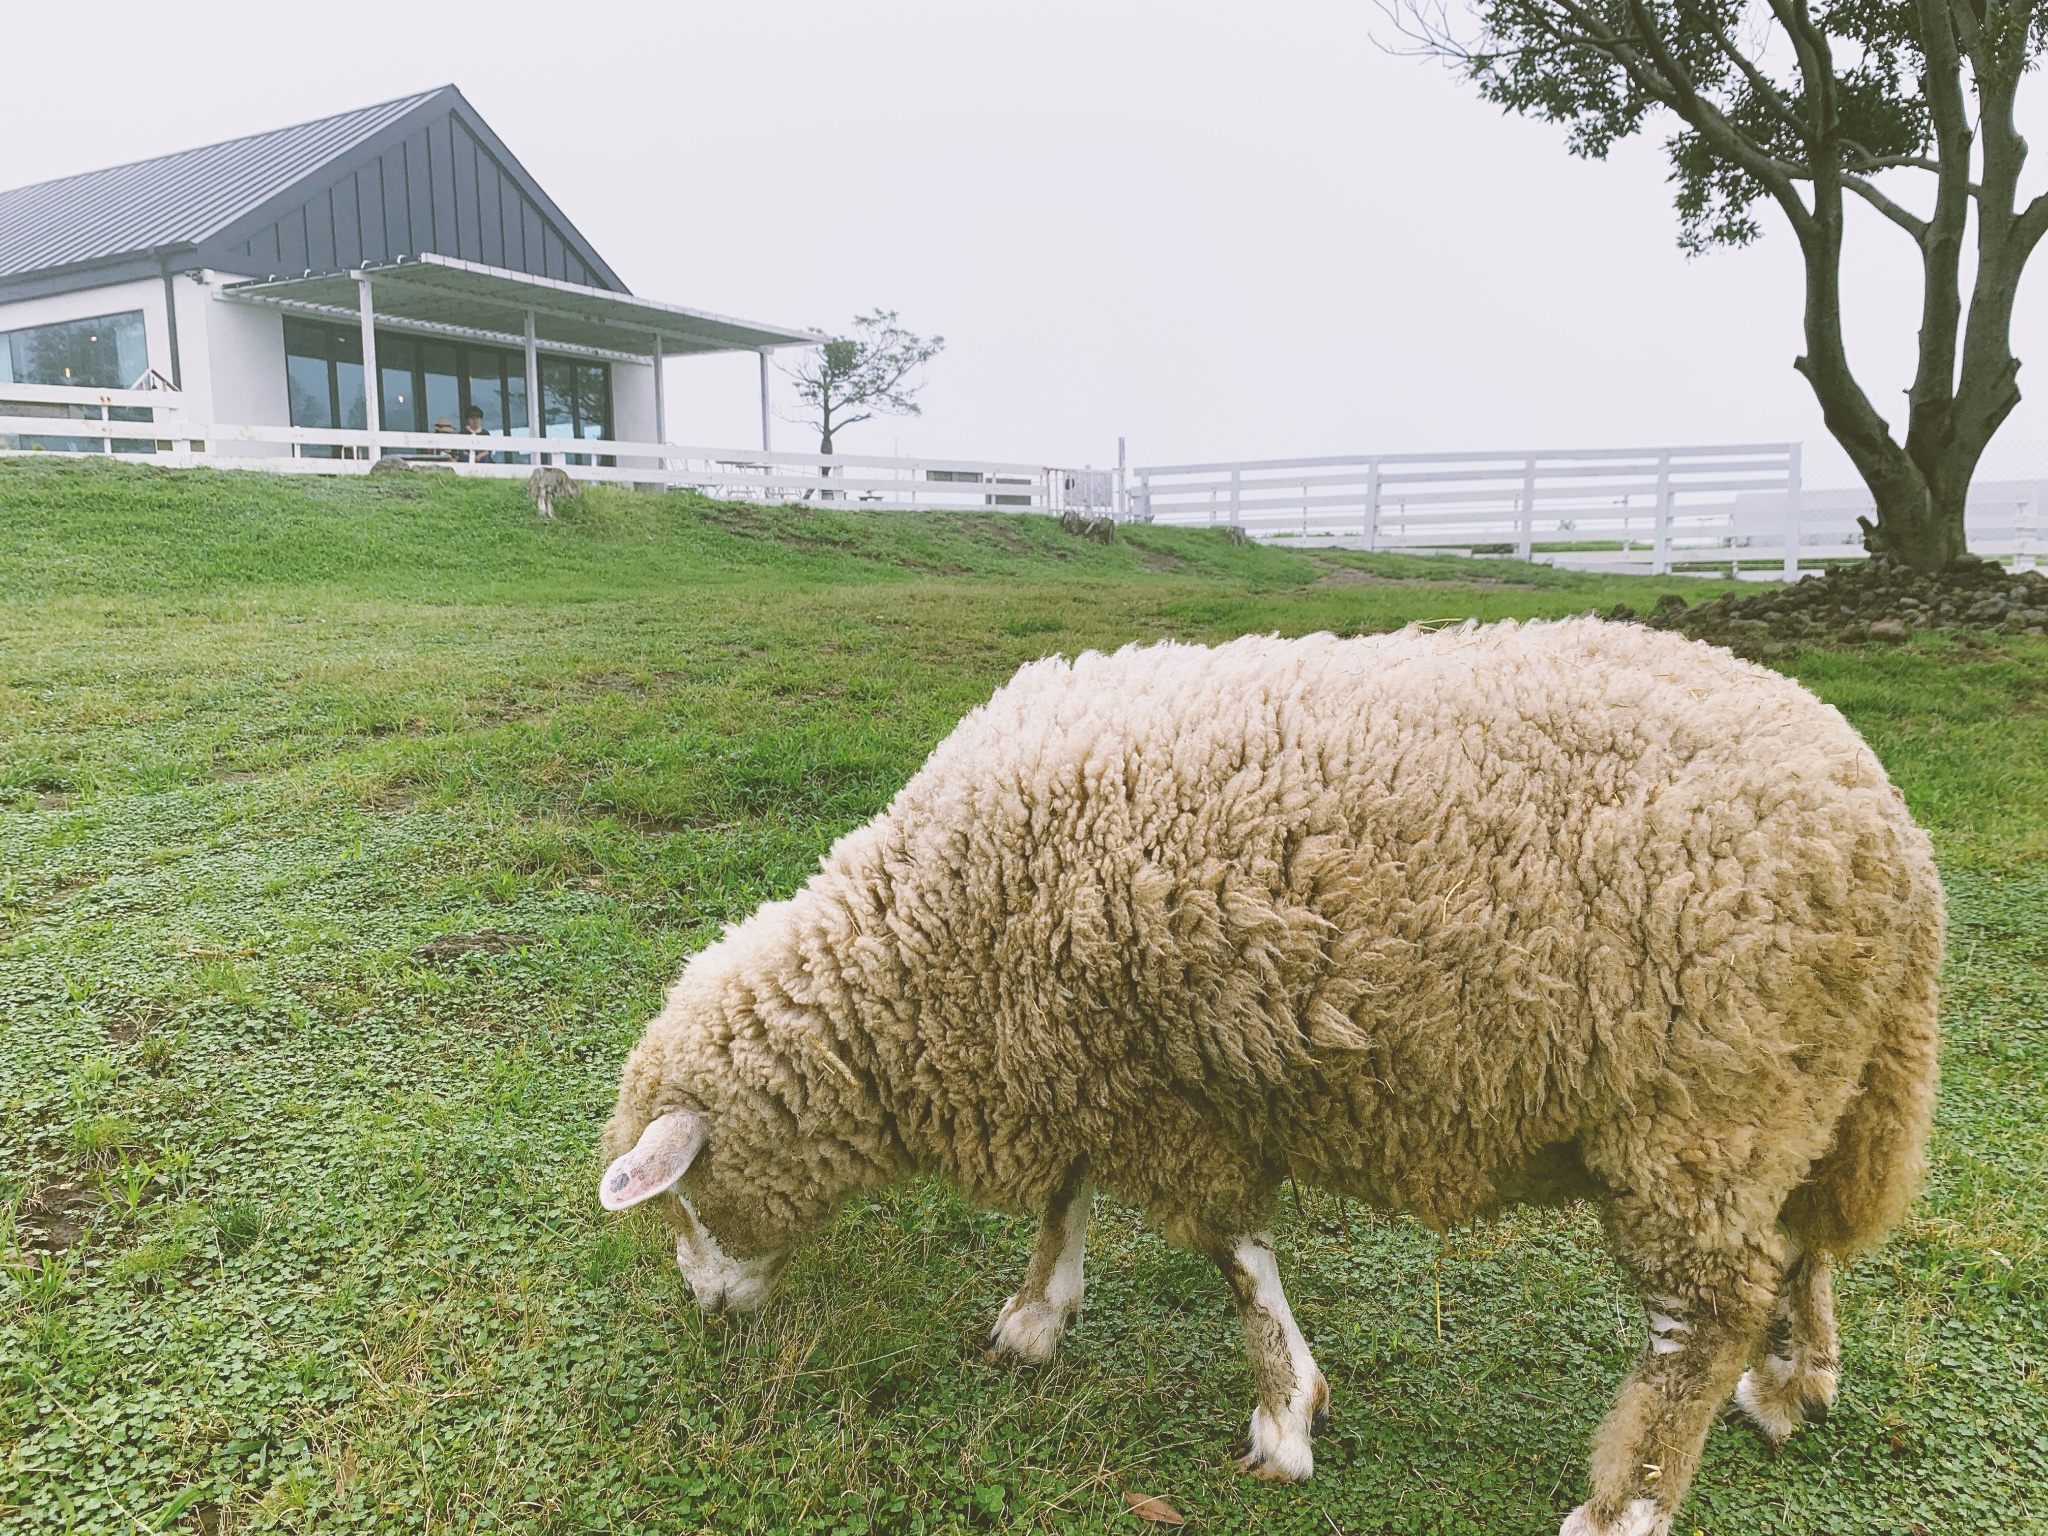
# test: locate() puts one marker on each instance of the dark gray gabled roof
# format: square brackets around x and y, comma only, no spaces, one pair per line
[399,179]
[178,199]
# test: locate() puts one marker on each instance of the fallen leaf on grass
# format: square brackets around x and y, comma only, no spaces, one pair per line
[1157,1511]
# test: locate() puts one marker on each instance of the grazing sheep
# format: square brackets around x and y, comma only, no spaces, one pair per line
[545,484]
[1440,921]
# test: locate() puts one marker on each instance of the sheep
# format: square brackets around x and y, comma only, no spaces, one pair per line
[545,484]
[1437,921]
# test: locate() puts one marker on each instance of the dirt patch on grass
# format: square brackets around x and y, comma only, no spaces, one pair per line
[485,941]
[1338,575]
[135,1023]
[57,1216]
[1160,560]
[1001,531]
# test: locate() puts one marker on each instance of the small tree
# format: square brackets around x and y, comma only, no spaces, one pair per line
[1806,107]
[856,377]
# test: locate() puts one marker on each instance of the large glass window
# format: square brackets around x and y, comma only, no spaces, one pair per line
[427,381]
[576,401]
[323,367]
[100,352]
[440,385]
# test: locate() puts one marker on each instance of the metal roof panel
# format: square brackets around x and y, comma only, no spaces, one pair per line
[175,199]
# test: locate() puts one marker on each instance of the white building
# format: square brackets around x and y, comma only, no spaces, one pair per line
[256,276]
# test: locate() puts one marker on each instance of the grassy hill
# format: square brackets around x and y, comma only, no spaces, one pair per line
[348,833]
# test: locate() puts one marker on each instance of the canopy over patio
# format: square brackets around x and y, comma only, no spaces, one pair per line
[440,295]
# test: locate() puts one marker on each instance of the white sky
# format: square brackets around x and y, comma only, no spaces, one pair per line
[1222,231]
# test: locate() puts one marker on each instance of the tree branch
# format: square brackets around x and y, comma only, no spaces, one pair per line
[1905,218]
[1759,82]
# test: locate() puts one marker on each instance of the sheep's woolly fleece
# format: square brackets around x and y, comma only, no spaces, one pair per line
[1403,915]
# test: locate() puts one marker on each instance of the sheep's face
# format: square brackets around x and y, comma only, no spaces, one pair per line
[658,1165]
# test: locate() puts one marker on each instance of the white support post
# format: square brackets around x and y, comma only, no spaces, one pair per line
[1660,548]
[533,390]
[1236,494]
[373,381]
[1372,506]
[660,404]
[1119,495]
[767,444]
[1792,514]
[1524,544]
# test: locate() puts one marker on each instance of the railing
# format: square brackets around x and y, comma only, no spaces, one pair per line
[1596,506]
[61,420]
[1654,509]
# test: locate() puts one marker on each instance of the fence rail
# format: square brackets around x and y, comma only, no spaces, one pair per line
[1650,509]
[1654,509]
[62,420]
[1601,506]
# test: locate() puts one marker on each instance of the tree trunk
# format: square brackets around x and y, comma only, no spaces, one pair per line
[1918,523]
[1919,514]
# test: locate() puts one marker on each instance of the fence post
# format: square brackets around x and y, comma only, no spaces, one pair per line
[1523,545]
[2023,535]
[1660,549]
[1304,511]
[1792,514]
[1236,489]
[1372,505]
[1144,512]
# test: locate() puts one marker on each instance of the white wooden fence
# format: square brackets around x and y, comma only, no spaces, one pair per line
[55,419]
[1650,509]
[1599,506]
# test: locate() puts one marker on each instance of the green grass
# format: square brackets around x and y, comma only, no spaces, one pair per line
[342,1263]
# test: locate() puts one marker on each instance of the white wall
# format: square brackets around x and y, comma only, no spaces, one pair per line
[633,403]
[234,359]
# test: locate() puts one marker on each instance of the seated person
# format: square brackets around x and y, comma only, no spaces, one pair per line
[447,426]
[473,426]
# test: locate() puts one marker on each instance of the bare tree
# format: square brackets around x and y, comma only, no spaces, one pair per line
[855,377]
[1807,107]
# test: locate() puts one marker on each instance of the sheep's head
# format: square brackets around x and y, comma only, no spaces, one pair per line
[658,1164]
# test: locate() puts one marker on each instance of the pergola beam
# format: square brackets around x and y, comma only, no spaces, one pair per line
[392,322]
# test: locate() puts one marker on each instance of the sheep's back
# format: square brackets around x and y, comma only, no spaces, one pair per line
[1405,902]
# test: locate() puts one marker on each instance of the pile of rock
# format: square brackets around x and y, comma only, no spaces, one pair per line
[1874,600]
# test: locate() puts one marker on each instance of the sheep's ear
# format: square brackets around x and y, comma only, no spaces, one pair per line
[658,1159]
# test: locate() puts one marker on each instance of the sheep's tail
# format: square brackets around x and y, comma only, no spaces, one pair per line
[1864,1182]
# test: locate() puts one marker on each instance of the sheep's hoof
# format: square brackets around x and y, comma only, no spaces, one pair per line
[1278,1450]
[1776,1401]
[1029,1330]
[1641,1518]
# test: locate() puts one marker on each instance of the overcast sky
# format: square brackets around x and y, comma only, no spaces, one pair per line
[1223,231]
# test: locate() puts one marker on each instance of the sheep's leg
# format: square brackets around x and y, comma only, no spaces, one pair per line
[1294,1400]
[1707,1308]
[1794,1377]
[1032,1321]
